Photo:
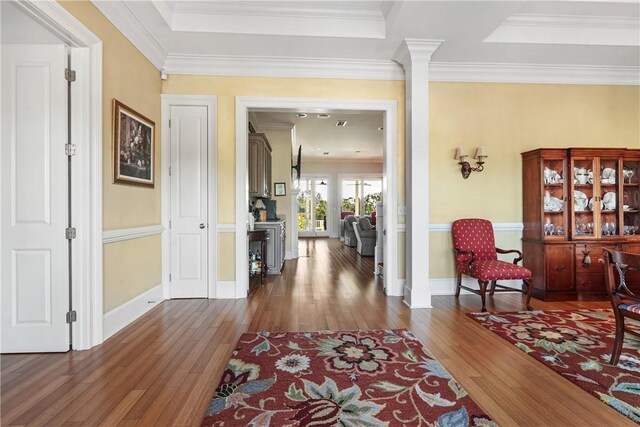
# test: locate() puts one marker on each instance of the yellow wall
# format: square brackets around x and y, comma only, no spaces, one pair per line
[228,88]
[508,119]
[129,77]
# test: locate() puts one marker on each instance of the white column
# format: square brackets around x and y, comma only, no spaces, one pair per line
[415,55]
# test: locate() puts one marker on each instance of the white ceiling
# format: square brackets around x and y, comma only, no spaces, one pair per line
[480,39]
[359,140]
[513,41]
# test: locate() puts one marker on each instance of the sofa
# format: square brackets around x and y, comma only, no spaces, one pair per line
[365,236]
[349,234]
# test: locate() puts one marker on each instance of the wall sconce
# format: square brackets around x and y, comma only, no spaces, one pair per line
[465,167]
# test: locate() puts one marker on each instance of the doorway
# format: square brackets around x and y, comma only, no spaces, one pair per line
[189,239]
[49,23]
[313,202]
[321,106]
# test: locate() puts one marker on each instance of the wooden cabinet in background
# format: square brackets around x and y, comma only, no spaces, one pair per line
[259,166]
[576,202]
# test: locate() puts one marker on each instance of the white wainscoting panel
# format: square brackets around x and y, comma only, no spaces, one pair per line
[226,228]
[122,234]
[126,313]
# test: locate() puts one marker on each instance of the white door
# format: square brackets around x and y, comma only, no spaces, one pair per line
[35,262]
[189,215]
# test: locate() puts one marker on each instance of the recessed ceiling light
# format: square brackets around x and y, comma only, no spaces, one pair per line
[341,123]
[357,151]
[380,128]
[326,153]
[301,115]
[323,116]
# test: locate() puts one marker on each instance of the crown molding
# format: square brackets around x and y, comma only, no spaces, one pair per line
[534,73]
[390,70]
[573,21]
[277,126]
[133,29]
[256,66]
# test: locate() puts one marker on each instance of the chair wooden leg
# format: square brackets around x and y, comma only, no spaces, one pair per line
[483,294]
[492,288]
[617,344]
[529,285]
[459,284]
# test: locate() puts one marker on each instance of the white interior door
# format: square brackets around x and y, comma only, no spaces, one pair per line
[35,263]
[189,214]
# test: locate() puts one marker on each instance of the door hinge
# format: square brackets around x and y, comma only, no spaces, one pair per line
[169,277]
[169,224]
[70,149]
[169,122]
[70,233]
[169,170]
[70,75]
[72,316]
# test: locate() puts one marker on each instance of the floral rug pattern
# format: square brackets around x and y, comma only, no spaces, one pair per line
[577,345]
[349,378]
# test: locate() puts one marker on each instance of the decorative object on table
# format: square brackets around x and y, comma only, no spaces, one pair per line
[581,175]
[476,256]
[349,378]
[262,210]
[576,345]
[280,189]
[608,176]
[133,147]
[592,204]
[627,174]
[580,200]
[465,167]
[609,200]
[551,176]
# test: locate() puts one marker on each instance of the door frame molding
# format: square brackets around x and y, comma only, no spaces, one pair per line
[86,196]
[210,102]
[393,286]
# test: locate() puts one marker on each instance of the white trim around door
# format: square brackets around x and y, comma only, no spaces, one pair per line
[212,233]
[86,135]
[393,286]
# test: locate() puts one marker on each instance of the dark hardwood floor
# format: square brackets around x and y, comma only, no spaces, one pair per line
[162,369]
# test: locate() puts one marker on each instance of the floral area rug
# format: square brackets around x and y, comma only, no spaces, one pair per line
[352,378]
[577,345]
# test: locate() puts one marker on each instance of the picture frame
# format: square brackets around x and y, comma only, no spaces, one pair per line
[280,189]
[133,147]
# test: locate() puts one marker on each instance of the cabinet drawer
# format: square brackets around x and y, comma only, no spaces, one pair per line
[595,253]
[590,282]
[559,267]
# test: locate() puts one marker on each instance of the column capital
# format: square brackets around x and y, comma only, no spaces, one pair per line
[413,51]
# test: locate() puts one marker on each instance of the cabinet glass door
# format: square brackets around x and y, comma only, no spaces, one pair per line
[584,221]
[554,199]
[608,197]
[631,197]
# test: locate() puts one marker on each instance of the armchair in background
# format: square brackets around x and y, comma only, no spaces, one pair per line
[349,234]
[343,215]
[366,236]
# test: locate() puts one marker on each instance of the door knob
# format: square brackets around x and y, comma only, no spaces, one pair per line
[201,225]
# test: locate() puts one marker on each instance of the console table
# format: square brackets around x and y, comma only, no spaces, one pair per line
[261,237]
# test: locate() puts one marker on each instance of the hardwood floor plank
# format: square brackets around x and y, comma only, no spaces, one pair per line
[163,369]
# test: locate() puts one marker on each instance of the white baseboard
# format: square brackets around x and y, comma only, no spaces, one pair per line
[448,286]
[226,289]
[288,255]
[125,314]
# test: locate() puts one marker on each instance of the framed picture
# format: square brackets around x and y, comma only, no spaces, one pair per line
[133,147]
[280,189]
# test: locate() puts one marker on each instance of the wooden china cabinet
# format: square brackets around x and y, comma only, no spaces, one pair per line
[576,202]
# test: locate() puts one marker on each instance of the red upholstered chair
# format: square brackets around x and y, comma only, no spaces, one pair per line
[373,218]
[624,302]
[476,256]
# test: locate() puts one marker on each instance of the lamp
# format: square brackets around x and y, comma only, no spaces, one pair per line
[262,209]
[465,167]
